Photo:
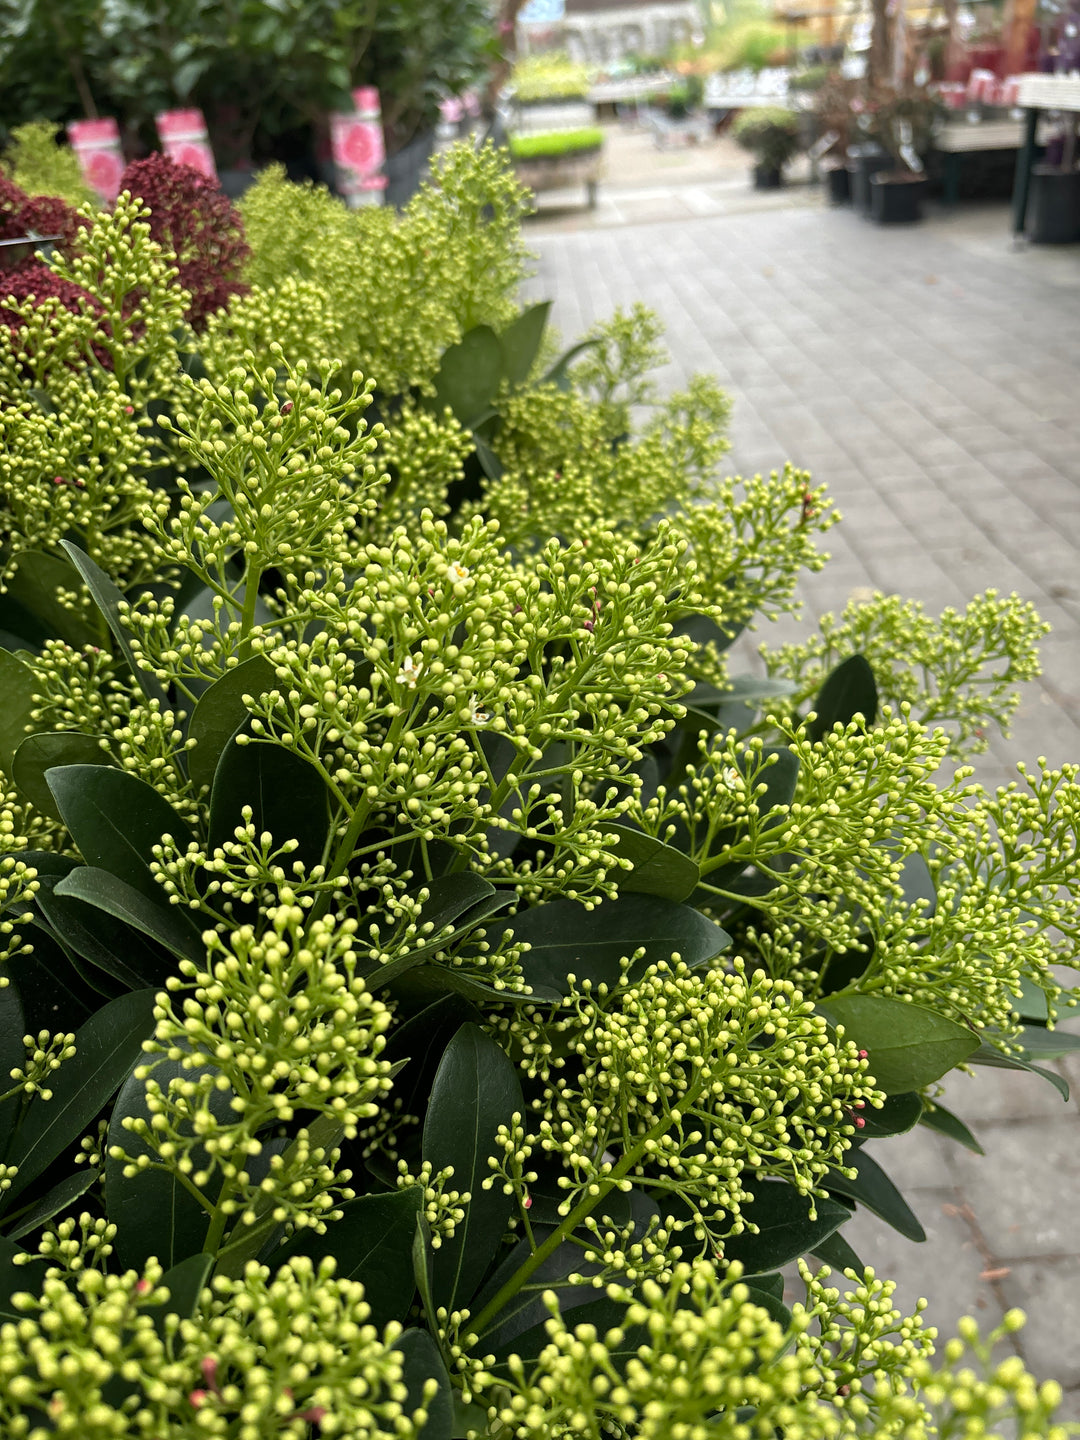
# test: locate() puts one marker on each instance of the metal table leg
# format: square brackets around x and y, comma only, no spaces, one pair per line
[1022,183]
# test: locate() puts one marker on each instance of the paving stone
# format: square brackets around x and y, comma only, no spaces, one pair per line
[1024,1191]
[1046,1290]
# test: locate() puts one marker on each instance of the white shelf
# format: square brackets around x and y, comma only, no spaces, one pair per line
[1049,92]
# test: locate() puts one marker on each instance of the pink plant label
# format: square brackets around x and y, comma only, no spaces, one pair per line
[356,143]
[97,145]
[184,139]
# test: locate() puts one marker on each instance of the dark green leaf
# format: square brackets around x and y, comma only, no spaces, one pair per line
[19,688]
[786,1229]
[835,1252]
[873,1188]
[112,949]
[936,1117]
[476,1090]
[1039,1043]
[490,463]
[423,1363]
[896,1116]
[286,795]
[12,1030]
[1032,1004]
[107,1048]
[372,1243]
[520,343]
[169,926]
[33,584]
[559,374]
[469,375]
[154,1212]
[221,712]
[909,1046]
[185,1284]
[848,691]
[423,1258]
[988,1055]
[771,1283]
[567,939]
[17,1279]
[755,687]
[449,898]
[659,869]
[53,993]
[108,600]
[116,819]
[53,1202]
[39,753]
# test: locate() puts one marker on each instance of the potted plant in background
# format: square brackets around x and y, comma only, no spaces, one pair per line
[772,135]
[832,113]
[1055,195]
[904,127]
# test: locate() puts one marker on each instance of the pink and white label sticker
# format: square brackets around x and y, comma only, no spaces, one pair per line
[356,142]
[184,139]
[97,145]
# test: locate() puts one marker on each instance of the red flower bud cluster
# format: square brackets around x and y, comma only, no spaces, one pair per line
[43,214]
[33,278]
[191,216]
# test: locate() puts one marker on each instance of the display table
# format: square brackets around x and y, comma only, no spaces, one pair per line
[953,141]
[1038,93]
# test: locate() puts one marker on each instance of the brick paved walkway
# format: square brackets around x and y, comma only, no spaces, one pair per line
[931,377]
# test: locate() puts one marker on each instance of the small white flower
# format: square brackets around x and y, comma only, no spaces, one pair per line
[478,715]
[456,573]
[410,671]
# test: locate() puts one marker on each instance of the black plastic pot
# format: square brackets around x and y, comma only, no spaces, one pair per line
[405,170]
[1055,206]
[767,178]
[864,161]
[896,199]
[838,184]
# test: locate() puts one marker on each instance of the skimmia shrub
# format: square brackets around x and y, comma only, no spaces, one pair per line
[440,996]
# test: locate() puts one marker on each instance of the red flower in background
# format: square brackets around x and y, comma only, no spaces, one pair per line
[44,214]
[190,215]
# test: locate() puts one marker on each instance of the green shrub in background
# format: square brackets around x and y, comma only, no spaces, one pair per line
[40,166]
[449,994]
[770,133]
[556,142]
[549,77]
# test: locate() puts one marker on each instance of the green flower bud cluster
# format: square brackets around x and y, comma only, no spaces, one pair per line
[284,1026]
[960,671]
[18,879]
[390,294]
[295,478]
[698,1356]
[80,689]
[261,1355]
[45,1053]
[701,1078]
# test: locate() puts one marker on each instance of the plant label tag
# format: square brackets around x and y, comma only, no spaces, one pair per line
[824,144]
[356,142]
[184,139]
[97,146]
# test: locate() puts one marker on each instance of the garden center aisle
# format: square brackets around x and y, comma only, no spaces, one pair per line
[931,378]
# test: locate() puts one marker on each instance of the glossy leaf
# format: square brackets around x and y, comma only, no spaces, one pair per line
[185,1283]
[1040,1044]
[220,712]
[17,1279]
[1032,1005]
[476,1090]
[33,583]
[19,689]
[785,1227]
[372,1243]
[659,869]
[896,1117]
[154,1212]
[169,925]
[39,753]
[567,939]
[469,375]
[873,1189]
[848,691]
[936,1117]
[520,342]
[53,1202]
[909,1046]
[559,374]
[449,898]
[423,1362]
[835,1252]
[107,1049]
[54,995]
[111,950]
[287,797]
[988,1055]
[108,600]
[116,819]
